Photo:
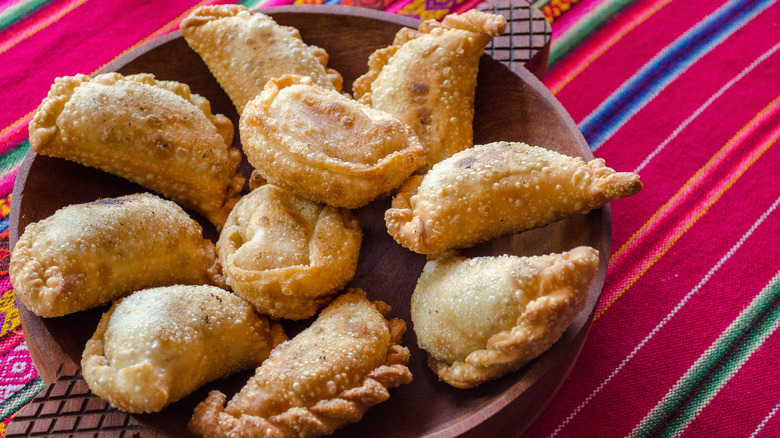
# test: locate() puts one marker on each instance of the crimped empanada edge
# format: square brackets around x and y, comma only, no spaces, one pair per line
[326,416]
[538,328]
[299,291]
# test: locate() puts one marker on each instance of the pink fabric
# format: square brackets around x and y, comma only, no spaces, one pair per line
[57,52]
[691,253]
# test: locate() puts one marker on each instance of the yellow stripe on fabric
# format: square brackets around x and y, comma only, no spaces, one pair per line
[703,209]
[417,8]
[554,9]
[5,206]
[617,36]
[44,25]
[8,308]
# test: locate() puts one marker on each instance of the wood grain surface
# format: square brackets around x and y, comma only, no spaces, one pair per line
[509,106]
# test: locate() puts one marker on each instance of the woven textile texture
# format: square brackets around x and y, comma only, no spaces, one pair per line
[683,92]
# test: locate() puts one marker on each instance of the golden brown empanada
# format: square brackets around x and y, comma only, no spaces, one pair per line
[325,146]
[154,133]
[244,50]
[158,345]
[481,318]
[499,188]
[287,255]
[324,378]
[427,79]
[85,255]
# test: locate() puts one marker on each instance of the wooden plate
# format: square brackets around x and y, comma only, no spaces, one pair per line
[509,106]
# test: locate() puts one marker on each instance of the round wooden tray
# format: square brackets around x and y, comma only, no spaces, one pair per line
[509,106]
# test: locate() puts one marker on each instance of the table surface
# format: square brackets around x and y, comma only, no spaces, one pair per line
[682,92]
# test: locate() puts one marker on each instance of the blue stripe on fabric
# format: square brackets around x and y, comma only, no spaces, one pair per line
[665,67]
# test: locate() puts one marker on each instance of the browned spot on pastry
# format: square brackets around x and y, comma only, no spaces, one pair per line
[110,201]
[160,148]
[466,162]
[72,281]
[419,88]
[425,115]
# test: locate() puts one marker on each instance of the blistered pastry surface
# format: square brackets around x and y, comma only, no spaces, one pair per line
[491,190]
[155,133]
[158,345]
[428,78]
[325,146]
[287,255]
[323,378]
[243,50]
[89,254]
[480,318]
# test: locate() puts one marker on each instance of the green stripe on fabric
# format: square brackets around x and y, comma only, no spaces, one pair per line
[20,11]
[710,373]
[251,4]
[539,4]
[586,27]
[21,398]
[13,157]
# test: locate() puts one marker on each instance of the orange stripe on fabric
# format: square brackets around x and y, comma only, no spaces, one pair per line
[560,80]
[40,22]
[8,129]
[701,208]
[159,32]
[721,156]
[174,24]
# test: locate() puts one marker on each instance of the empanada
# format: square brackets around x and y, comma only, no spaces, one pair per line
[427,78]
[496,189]
[244,50]
[85,255]
[324,378]
[481,318]
[287,255]
[158,345]
[325,146]
[153,133]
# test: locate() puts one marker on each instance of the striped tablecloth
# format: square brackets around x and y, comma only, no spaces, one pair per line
[684,92]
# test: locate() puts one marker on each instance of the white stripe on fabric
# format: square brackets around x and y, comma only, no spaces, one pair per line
[667,318]
[725,338]
[616,121]
[765,421]
[706,104]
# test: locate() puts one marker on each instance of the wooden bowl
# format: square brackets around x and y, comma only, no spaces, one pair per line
[509,106]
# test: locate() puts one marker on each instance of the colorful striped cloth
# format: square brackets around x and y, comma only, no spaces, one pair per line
[683,92]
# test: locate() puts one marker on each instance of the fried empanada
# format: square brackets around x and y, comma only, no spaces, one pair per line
[496,189]
[244,50]
[327,376]
[153,133]
[427,78]
[158,345]
[325,146]
[86,255]
[287,255]
[481,318]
